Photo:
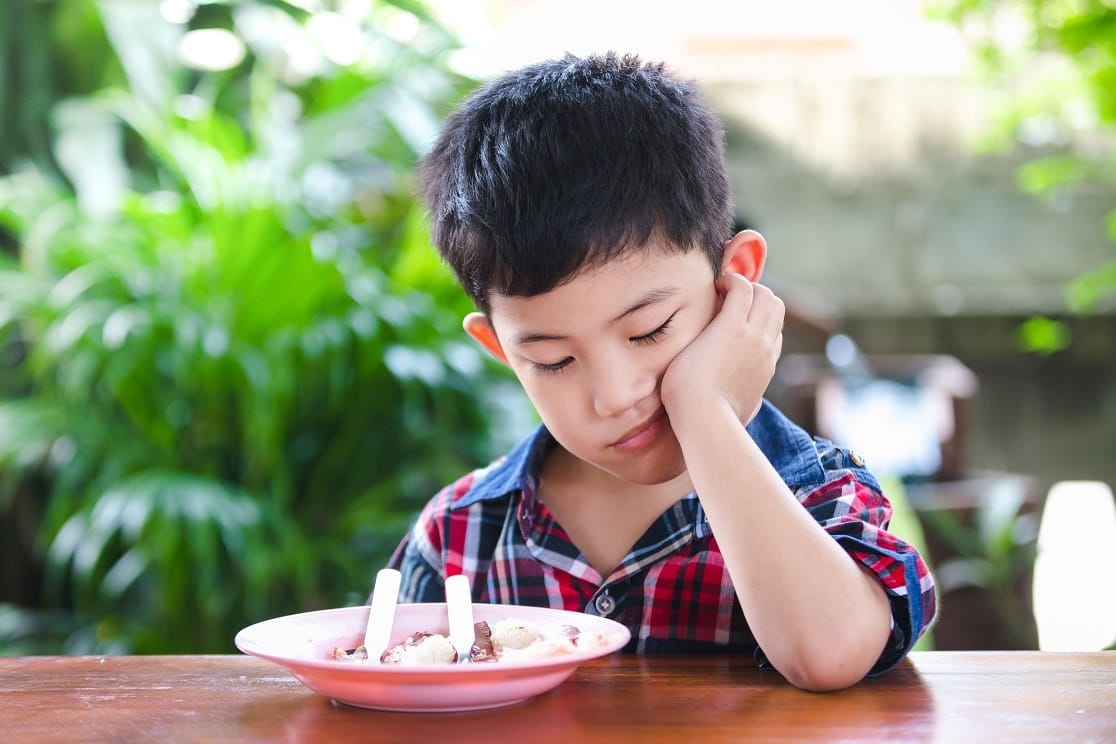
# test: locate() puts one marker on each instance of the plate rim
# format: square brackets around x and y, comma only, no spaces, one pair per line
[618,638]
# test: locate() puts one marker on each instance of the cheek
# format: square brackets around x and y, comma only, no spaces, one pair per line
[548,393]
[687,332]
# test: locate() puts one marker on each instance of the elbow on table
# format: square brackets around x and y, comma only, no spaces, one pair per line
[824,681]
[826,674]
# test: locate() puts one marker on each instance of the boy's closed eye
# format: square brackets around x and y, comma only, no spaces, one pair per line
[550,369]
[653,336]
[643,339]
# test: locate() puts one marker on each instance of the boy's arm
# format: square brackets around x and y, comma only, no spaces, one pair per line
[820,617]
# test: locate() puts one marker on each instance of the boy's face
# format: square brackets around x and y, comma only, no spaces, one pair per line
[591,354]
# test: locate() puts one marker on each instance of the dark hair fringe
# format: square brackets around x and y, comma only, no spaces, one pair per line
[566,164]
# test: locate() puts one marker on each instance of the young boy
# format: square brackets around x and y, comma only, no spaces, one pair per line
[585,206]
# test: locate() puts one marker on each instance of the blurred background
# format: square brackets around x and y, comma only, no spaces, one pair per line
[231,364]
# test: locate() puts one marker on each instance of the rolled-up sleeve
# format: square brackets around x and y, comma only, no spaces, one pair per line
[853,510]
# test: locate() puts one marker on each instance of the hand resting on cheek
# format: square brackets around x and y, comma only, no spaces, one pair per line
[733,359]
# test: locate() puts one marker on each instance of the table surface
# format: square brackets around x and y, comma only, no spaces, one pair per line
[931,696]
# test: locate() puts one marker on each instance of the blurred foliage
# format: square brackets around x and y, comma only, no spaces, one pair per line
[994,550]
[1043,335]
[234,365]
[1055,63]
[48,51]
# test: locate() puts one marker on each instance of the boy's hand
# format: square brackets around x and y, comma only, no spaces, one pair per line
[733,359]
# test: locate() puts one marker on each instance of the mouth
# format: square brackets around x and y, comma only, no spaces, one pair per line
[643,434]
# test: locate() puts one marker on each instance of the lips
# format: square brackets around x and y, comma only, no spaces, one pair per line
[643,434]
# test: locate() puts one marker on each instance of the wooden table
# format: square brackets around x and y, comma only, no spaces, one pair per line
[932,696]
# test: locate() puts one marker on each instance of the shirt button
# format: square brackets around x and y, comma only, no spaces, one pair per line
[605,604]
[856,459]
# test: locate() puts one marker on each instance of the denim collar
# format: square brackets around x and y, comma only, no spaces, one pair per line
[788,447]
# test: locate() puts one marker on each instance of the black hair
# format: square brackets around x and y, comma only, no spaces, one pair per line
[565,164]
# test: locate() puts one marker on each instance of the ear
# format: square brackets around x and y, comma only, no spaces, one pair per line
[480,328]
[745,254]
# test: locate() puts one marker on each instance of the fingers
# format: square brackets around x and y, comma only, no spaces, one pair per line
[767,311]
[755,302]
[730,282]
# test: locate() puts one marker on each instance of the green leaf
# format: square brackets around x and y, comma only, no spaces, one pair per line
[1046,174]
[28,430]
[959,573]
[1043,335]
[1086,291]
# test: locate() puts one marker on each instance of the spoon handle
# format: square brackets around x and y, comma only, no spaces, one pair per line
[381,615]
[459,607]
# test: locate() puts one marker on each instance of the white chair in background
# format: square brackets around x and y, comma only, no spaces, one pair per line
[1074,588]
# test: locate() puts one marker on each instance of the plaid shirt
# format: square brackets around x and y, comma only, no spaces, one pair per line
[671,590]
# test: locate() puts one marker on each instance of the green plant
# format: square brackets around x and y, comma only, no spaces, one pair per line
[992,549]
[240,364]
[48,51]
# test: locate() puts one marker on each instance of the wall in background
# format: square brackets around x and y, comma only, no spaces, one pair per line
[871,196]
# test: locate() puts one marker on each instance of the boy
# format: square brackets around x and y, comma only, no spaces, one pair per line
[585,206]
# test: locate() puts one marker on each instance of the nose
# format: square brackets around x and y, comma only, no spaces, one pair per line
[618,386]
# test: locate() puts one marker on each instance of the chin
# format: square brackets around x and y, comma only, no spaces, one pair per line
[655,471]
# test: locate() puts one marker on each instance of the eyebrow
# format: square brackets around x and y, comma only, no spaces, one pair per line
[651,298]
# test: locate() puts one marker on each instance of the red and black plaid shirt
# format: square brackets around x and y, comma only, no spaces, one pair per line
[671,590]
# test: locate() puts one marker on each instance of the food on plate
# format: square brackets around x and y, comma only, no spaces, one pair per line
[514,639]
[421,648]
[504,640]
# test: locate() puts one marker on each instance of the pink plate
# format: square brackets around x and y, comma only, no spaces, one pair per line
[304,643]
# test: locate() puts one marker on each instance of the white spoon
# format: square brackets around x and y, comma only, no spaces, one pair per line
[381,615]
[459,608]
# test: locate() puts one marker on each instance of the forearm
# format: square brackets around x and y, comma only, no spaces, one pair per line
[821,619]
